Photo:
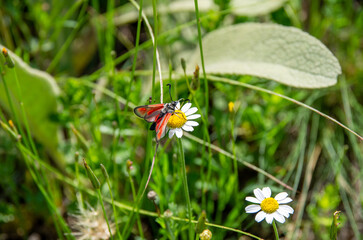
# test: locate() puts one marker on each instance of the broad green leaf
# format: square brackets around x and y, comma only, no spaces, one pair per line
[284,54]
[39,95]
[255,7]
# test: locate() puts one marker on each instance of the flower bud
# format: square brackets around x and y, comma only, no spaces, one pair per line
[8,129]
[201,222]
[195,81]
[206,235]
[151,195]
[168,213]
[129,165]
[183,64]
[104,171]
[8,60]
[92,177]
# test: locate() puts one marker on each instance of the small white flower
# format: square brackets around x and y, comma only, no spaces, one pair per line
[271,208]
[90,224]
[180,120]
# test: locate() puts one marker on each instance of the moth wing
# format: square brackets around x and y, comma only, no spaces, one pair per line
[161,123]
[149,112]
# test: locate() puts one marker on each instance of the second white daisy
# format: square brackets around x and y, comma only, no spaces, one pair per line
[271,208]
[181,120]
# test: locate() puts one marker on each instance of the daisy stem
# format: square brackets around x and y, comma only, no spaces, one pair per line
[275,230]
[104,211]
[185,184]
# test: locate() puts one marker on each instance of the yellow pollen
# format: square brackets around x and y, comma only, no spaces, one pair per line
[269,205]
[177,120]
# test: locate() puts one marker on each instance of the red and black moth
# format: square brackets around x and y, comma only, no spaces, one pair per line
[158,114]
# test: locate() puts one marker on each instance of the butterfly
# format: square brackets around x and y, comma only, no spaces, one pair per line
[158,114]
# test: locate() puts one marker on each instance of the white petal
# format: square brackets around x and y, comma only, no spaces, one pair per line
[278,217]
[171,133]
[283,212]
[259,194]
[178,105]
[260,216]
[187,128]
[195,116]
[281,196]
[269,218]
[192,123]
[252,208]
[186,107]
[252,199]
[191,111]
[287,209]
[267,192]
[178,132]
[286,200]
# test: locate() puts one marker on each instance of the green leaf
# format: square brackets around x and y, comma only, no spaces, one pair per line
[284,54]
[253,8]
[39,95]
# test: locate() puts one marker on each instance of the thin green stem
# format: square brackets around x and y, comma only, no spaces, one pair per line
[156,58]
[206,104]
[206,95]
[135,55]
[104,211]
[235,163]
[76,168]
[206,135]
[140,193]
[67,43]
[275,230]
[135,198]
[185,184]
[114,209]
[25,120]
[154,48]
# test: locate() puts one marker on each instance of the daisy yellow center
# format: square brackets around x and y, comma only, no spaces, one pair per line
[269,205]
[177,120]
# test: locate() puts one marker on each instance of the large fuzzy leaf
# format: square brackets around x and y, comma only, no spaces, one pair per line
[284,54]
[39,94]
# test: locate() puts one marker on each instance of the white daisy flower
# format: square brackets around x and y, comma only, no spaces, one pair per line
[180,120]
[271,208]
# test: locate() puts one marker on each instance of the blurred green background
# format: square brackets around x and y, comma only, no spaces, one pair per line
[87,46]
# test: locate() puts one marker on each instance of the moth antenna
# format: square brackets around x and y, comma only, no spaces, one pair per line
[170,91]
[178,113]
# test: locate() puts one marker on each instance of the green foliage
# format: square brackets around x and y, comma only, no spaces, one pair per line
[265,141]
